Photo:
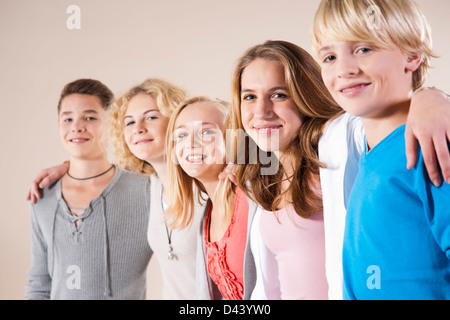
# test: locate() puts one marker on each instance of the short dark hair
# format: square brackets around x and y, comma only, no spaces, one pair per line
[90,87]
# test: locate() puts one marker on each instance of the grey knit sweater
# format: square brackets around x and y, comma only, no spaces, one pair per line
[105,256]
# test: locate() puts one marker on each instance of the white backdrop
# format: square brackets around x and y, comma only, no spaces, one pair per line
[192,43]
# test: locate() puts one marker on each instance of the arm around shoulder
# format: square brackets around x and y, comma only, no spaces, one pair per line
[429,125]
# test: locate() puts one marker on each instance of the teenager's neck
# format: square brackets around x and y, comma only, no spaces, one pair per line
[163,174]
[211,187]
[288,162]
[378,128]
[80,168]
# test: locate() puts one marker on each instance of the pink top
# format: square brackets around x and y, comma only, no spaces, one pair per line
[225,258]
[296,251]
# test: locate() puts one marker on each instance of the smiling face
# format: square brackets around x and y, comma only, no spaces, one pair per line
[81,123]
[269,114]
[199,143]
[145,129]
[366,80]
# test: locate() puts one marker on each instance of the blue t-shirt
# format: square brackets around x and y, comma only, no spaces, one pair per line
[397,233]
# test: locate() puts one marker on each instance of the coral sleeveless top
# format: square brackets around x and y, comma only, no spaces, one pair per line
[225,258]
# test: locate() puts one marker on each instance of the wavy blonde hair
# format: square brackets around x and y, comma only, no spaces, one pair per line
[184,189]
[383,23]
[304,81]
[167,97]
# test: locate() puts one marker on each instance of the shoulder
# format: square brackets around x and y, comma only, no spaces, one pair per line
[42,212]
[132,175]
[344,122]
[128,185]
[49,195]
[132,179]
[252,205]
[346,131]
[391,148]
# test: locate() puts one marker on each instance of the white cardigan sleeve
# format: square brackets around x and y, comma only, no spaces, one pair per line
[340,148]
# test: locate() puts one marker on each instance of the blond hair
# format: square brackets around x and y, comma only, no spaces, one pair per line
[184,189]
[304,81]
[383,23]
[167,97]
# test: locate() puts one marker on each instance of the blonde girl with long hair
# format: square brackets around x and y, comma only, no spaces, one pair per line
[197,148]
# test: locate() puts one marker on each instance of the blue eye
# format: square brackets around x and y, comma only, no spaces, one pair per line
[208,131]
[249,97]
[279,95]
[364,50]
[329,59]
[129,123]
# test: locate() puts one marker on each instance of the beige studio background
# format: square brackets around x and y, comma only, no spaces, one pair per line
[192,43]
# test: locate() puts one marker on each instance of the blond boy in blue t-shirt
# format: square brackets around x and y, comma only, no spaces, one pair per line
[374,54]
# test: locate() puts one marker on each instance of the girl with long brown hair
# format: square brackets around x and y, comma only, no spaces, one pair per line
[279,99]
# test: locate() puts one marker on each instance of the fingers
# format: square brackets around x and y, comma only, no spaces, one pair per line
[44,178]
[45,181]
[429,158]
[443,157]
[429,124]
[232,178]
[33,194]
[28,198]
[227,173]
[229,169]
[41,176]
[229,176]
[223,176]
[411,148]
[435,150]
[41,181]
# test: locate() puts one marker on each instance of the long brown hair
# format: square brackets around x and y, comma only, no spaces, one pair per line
[305,85]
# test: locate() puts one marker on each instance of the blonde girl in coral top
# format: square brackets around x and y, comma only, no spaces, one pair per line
[197,149]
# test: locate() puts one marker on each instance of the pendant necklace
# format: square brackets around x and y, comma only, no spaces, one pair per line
[170,255]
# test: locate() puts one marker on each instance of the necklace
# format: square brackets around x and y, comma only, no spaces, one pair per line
[92,176]
[170,256]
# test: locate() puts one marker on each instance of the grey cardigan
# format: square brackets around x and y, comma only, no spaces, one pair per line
[105,257]
[206,289]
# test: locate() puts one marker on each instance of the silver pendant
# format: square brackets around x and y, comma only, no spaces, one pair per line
[170,255]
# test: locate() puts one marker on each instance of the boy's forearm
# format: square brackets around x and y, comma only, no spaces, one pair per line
[444,94]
